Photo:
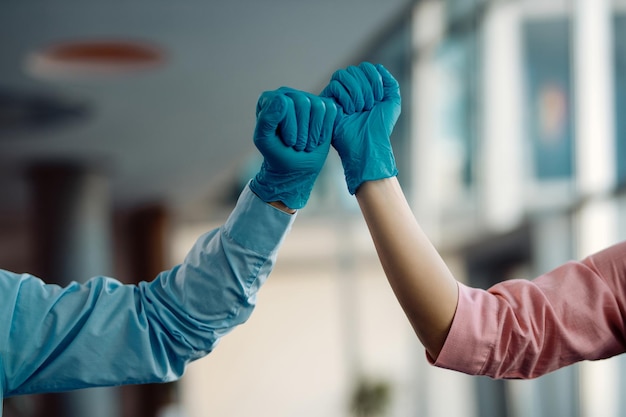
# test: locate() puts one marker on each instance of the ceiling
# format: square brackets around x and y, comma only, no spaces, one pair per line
[175,133]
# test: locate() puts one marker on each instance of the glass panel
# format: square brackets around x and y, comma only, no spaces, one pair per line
[620,96]
[458,59]
[548,97]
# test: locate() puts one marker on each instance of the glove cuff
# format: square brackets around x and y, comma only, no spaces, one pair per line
[292,190]
[371,169]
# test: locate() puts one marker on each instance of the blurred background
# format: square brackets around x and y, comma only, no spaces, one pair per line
[126,132]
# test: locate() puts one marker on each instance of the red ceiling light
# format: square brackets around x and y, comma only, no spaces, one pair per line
[94,59]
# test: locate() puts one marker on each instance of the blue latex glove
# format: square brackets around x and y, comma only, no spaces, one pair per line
[293,133]
[369,101]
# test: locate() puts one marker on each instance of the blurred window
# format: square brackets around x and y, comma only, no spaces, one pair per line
[620,95]
[548,97]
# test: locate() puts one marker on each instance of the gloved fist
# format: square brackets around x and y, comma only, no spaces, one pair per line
[293,133]
[369,103]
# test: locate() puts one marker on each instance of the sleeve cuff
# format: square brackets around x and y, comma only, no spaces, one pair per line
[470,339]
[256,224]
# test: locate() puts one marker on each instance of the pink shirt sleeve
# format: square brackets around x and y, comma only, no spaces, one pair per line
[524,329]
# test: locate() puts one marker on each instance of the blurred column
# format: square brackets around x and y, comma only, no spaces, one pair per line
[428,28]
[72,243]
[501,164]
[594,83]
[146,238]
[596,222]
[595,127]
[427,188]
[502,180]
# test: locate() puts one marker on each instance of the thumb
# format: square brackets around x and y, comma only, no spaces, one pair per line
[391,88]
[271,110]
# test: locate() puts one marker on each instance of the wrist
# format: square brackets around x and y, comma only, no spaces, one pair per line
[370,165]
[277,204]
[281,206]
[377,186]
[291,189]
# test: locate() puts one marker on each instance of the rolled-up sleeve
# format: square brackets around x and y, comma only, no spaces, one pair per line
[525,329]
[104,333]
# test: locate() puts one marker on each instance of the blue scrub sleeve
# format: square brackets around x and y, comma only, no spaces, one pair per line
[104,333]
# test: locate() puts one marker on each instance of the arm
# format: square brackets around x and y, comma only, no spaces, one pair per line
[105,333]
[525,329]
[421,281]
[517,329]
[369,101]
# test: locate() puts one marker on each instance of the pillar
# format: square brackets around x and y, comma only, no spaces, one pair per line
[71,223]
[596,220]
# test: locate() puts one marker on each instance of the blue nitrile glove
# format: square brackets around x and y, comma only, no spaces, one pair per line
[293,133]
[369,102]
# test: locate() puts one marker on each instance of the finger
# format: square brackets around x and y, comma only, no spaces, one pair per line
[302,106]
[337,92]
[374,78]
[390,85]
[326,91]
[328,124]
[353,86]
[365,88]
[288,127]
[271,109]
[318,110]
[263,100]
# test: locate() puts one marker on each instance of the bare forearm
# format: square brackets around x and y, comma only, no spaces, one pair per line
[421,281]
